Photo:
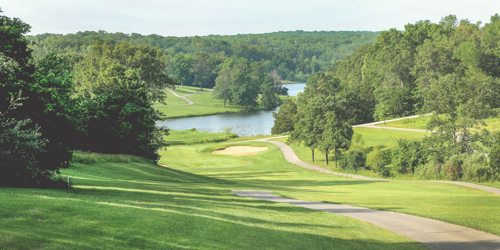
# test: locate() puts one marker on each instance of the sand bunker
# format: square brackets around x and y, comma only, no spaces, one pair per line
[239,150]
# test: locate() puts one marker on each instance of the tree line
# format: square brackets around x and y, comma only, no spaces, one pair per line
[448,68]
[58,103]
[293,55]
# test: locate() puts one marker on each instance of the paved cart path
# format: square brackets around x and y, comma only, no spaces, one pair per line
[185,97]
[433,233]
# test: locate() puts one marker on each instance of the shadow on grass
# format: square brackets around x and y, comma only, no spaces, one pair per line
[121,219]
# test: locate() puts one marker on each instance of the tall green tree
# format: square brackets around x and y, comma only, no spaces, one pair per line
[180,66]
[148,62]
[19,147]
[284,117]
[118,117]
[223,83]
[201,69]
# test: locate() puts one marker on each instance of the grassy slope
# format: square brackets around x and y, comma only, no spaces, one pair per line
[143,206]
[492,124]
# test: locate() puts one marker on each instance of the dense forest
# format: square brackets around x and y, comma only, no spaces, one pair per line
[293,55]
[450,69]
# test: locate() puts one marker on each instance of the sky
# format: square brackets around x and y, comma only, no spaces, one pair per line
[230,17]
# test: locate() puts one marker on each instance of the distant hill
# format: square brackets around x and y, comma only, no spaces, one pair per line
[294,54]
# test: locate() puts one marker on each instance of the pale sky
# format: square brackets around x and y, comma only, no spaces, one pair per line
[226,17]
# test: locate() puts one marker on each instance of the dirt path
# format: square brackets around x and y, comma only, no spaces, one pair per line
[433,233]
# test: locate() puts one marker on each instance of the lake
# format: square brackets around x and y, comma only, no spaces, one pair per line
[242,124]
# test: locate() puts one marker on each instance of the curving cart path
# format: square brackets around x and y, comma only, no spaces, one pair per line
[432,233]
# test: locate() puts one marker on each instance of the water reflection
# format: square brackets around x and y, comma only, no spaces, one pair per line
[242,124]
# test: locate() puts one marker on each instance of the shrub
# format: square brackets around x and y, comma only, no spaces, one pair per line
[495,155]
[407,156]
[430,171]
[475,168]
[453,167]
[355,159]
[375,159]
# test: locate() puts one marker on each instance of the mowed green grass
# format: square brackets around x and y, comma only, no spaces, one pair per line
[492,124]
[188,90]
[171,100]
[269,171]
[144,206]
[204,104]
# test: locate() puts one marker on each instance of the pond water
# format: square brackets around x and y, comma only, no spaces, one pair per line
[242,124]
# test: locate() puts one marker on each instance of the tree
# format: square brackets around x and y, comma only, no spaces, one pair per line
[181,67]
[270,99]
[337,132]
[19,147]
[20,135]
[322,123]
[148,62]
[246,81]
[201,68]
[284,117]
[462,104]
[52,108]
[223,83]
[119,117]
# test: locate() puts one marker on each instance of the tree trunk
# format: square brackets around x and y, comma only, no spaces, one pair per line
[313,154]
[224,102]
[335,153]
[326,158]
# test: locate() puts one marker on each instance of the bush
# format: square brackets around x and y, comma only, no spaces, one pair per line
[495,155]
[453,167]
[407,156]
[375,159]
[355,159]
[475,168]
[429,171]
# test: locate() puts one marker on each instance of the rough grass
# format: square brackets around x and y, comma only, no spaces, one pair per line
[191,136]
[91,158]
